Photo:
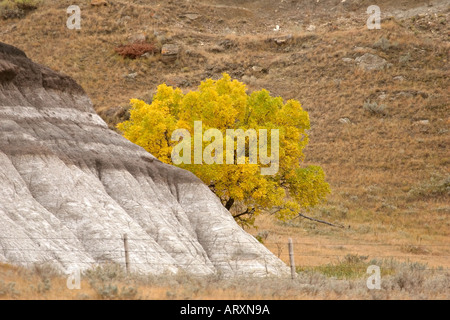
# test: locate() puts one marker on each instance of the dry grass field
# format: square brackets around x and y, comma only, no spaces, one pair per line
[381,136]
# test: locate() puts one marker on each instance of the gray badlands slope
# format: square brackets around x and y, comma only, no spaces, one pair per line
[70,188]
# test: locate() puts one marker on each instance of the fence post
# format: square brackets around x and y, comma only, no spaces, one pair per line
[127,257]
[291,258]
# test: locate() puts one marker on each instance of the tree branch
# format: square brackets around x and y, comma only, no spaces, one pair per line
[244,213]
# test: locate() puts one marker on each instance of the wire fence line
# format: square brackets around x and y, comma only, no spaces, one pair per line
[236,242]
[299,253]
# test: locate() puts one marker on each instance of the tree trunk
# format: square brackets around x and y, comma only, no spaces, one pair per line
[229,204]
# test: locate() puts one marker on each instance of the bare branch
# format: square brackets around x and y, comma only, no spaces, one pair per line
[244,213]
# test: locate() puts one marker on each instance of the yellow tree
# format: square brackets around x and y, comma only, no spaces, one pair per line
[213,110]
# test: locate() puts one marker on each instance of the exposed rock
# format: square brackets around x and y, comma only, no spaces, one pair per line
[424,122]
[348,60]
[131,76]
[345,121]
[371,62]
[283,40]
[169,53]
[311,28]
[191,16]
[70,189]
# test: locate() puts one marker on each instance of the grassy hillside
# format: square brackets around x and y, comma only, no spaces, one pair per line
[381,136]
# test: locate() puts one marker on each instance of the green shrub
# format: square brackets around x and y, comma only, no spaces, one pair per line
[8,289]
[351,267]
[437,186]
[107,281]
[374,108]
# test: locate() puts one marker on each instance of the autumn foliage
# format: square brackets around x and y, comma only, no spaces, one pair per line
[225,104]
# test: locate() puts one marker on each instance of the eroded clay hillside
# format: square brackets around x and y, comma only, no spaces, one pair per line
[72,188]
